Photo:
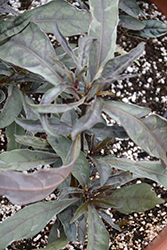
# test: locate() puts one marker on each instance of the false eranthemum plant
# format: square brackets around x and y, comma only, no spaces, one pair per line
[66,128]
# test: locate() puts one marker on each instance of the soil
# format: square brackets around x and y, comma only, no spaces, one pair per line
[149,88]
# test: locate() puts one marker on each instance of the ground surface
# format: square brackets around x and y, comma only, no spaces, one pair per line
[150,89]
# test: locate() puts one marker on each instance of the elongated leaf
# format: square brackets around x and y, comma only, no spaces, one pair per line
[69,117]
[80,211]
[103,169]
[103,28]
[108,219]
[89,119]
[142,131]
[153,28]
[55,242]
[2,96]
[56,125]
[75,21]
[130,7]
[135,198]
[61,145]
[65,217]
[82,228]
[29,113]
[101,130]
[23,188]
[11,131]
[98,237]
[56,108]
[153,170]
[131,23]
[34,55]
[13,26]
[84,48]
[12,107]
[30,220]
[117,65]
[24,159]
[35,142]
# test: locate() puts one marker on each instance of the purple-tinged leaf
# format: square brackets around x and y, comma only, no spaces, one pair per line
[88,120]
[23,188]
[80,211]
[98,237]
[131,23]
[108,219]
[130,7]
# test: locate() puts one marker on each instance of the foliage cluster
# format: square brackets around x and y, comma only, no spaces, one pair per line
[66,127]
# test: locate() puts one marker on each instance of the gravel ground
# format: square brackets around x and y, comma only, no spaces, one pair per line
[150,89]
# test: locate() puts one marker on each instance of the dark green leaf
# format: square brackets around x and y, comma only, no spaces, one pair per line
[131,23]
[56,125]
[102,131]
[135,198]
[55,242]
[144,132]
[12,106]
[23,188]
[153,170]
[117,65]
[24,159]
[104,170]
[30,220]
[65,217]
[98,237]
[153,28]
[12,130]
[108,219]
[88,120]
[103,27]
[130,7]
[79,211]
[34,55]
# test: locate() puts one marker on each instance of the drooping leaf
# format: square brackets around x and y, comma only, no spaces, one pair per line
[82,228]
[29,113]
[30,220]
[33,54]
[103,169]
[12,107]
[88,120]
[153,170]
[153,28]
[80,170]
[33,141]
[141,131]
[12,130]
[98,237]
[117,65]
[130,7]
[23,188]
[131,23]
[101,130]
[56,108]
[108,219]
[69,117]
[56,125]
[55,242]
[134,198]
[24,159]
[65,217]
[103,28]
[75,21]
